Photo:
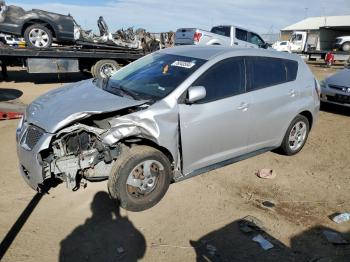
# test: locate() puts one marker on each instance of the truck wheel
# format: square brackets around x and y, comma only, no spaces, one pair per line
[346,47]
[139,178]
[296,135]
[105,68]
[38,36]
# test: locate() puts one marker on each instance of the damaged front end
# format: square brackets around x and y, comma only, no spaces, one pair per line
[77,152]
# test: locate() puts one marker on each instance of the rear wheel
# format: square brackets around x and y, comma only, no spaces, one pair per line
[296,135]
[38,36]
[140,178]
[105,69]
[346,47]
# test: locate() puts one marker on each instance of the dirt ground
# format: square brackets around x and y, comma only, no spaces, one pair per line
[196,215]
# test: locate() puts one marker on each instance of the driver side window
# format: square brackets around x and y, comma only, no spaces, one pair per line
[224,79]
[255,39]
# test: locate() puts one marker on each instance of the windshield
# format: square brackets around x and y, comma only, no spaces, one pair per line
[153,77]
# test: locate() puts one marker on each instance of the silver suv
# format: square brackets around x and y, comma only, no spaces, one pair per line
[167,117]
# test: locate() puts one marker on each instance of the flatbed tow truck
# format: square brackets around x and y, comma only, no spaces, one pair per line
[99,60]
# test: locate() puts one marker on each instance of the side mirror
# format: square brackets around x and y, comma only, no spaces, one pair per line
[195,93]
[265,45]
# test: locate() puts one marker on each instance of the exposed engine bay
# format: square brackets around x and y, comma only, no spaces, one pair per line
[80,154]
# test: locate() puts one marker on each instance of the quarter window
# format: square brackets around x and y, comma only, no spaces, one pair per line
[241,34]
[225,79]
[292,69]
[268,71]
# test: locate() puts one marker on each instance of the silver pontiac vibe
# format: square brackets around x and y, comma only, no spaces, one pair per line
[168,116]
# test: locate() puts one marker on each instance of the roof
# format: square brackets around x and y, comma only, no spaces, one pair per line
[314,23]
[210,52]
[200,52]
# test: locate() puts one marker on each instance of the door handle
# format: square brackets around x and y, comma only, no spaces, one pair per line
[292,93]
[243,106]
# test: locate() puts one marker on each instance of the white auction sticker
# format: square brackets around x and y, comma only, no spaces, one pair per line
[183,64]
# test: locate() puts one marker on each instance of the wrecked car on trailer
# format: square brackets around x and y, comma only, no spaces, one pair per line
[168,116]
[41,29]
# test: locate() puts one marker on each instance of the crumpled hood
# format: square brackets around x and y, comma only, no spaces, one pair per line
[342,78]
[60,107]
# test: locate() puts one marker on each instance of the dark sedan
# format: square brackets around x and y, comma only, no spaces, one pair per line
[39,28]
[336,88]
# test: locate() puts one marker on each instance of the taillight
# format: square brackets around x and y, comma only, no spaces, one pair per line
[197,36]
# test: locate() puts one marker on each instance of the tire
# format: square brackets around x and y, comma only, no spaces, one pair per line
[38,36]
[92,71]
[288,147]
[105,68]
[128,166]
[346,47]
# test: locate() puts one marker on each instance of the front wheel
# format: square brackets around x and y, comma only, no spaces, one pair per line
[296,135]
[139,178]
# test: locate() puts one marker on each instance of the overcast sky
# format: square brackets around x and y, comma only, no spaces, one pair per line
[164,15]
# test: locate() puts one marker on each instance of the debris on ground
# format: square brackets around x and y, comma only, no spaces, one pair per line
[322,259]
[10,115]
[10,109]
[341,218]
[120,250]
[265,244]
[334,237]
[212,249]
[266,173]
[268,204]
[250,223]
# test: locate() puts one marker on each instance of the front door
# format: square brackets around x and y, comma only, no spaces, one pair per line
[215,128]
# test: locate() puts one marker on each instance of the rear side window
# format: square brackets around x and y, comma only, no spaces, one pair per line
[224,79]
[222,30]
[268,71]
[241,34]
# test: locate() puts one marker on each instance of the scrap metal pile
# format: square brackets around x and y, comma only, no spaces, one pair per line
[131,38]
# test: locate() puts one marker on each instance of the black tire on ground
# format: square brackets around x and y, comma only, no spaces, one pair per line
[286,147]
[36,28]
[346,47]
[105,68]
[129,159]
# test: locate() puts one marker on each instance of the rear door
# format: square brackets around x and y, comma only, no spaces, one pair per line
[274,99]
[215,129]
[184,36]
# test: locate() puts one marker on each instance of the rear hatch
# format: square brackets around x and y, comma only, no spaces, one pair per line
[184,36]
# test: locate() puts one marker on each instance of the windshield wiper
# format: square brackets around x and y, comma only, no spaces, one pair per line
[130,93]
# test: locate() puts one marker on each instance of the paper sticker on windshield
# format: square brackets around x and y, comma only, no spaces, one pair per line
[183,64]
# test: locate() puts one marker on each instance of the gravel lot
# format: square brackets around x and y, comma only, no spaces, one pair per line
[195,214]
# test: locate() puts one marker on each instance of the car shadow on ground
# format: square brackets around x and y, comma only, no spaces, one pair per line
[105,236]
[231,244]
[22,76]
[11,235]
[8,94]
[335,109]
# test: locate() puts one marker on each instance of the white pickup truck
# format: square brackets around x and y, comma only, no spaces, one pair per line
[225,35]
